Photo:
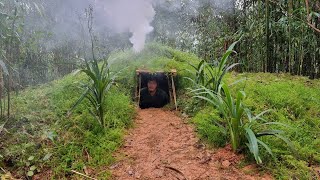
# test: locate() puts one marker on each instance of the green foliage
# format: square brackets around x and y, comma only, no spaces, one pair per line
[208,124]
[209,75]
[294,101]
[63,143]
[279,36]
[241,131]
[242,126]
[101,80]
[42,130]
[118,114]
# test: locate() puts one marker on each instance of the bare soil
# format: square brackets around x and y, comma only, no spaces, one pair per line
[164,146]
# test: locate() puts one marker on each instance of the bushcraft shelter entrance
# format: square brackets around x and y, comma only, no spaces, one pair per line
[165,81]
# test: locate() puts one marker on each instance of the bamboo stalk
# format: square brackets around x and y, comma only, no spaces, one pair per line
[174,92]
[81,174]
[1,93]
[308,11]
[267,36]
[290,9]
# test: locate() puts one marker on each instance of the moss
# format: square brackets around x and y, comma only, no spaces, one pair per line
[294,101]
[40,126]
[206,122]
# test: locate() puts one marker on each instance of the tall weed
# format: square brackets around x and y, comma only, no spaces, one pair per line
[244,129]
[210,75]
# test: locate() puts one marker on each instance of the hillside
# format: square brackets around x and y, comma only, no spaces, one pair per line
[43,140]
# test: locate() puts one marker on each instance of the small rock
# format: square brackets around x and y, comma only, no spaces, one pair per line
[226,164]
[130,170]
[184,115]
[205,160]
[114,166]
[159,173]
[199,145]
[137,175]
[130,173]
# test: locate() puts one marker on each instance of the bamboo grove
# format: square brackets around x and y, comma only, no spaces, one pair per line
[278,36]
[282,36]
[24,58]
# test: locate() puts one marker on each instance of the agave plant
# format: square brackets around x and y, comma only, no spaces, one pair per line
[101,80]
[209,75]
[242,126]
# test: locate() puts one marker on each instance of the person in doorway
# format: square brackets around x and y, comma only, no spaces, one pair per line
[152,96]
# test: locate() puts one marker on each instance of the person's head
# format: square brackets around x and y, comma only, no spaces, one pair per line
[152,84]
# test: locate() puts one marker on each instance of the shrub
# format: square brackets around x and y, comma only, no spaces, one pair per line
[242,132]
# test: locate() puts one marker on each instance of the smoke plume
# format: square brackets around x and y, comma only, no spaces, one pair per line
[111,17]
[133,16]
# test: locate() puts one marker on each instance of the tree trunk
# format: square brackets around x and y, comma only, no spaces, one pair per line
[291,54]
[268,39]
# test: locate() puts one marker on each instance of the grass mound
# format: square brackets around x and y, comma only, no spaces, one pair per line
[42,136]
[153,58]
[41,139]
[294,101]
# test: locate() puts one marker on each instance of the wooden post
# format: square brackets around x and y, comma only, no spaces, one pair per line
[139,91]
[170,88]
[174,92]
[136,91]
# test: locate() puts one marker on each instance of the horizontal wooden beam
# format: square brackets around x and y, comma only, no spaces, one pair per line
[173,72]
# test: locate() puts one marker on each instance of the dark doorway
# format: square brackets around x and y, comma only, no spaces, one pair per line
[162,80]
[165,82]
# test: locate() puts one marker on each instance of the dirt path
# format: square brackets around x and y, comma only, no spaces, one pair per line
[163,146]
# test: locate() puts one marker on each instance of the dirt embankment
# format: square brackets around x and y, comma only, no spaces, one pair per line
[164,146]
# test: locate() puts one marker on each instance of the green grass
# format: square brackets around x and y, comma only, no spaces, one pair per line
[42,135]
[207,129]
[295,101]
[41,129]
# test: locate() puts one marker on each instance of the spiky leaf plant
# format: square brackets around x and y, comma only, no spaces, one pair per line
[244,129]
[209,75]
[101,80]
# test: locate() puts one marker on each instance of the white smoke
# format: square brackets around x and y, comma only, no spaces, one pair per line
[110,16]
[114,16]
[134,16]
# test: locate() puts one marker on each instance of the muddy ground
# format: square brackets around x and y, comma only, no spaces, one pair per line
[162,145]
